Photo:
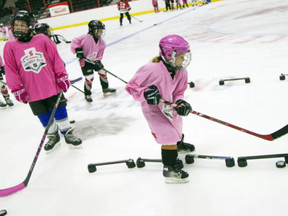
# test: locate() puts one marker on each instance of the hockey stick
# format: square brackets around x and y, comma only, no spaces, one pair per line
[137,19]
[62,38]
[270,137]
[114,75]
[12,190]
[75,80]
[87,60]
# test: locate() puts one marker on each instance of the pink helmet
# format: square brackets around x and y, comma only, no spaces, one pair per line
[171,46]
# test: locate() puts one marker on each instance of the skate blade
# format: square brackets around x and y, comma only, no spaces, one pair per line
[176,181]
[55,147]
[183,152]
[108,94]
[75,146]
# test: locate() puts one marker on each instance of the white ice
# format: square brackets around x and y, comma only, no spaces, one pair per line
[229,39]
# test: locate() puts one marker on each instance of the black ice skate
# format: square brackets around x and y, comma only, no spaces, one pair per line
[8,101]
[53,143]
[175,175]
[2,105]
[88,98]
[184,148]
[108,90]
[71,140]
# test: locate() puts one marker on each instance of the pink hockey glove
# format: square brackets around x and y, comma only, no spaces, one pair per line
[63,82]
[21,95]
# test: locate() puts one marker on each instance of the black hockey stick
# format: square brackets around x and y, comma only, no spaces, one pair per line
[87,60]
[270,137]
[62,38]
[137,19]
[12,190]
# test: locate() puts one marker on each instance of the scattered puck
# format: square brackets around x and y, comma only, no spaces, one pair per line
[155,24]
[3,212]
[280,164]
[72,121]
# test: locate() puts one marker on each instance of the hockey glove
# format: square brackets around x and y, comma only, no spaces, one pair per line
[2,70]
[79,53]
[63,82]
[184,108]
[152,95]
[98,65]
[21,95]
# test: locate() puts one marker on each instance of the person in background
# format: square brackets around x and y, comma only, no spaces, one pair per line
[124,8]
[89,48]
[35,73]
[166,77]
[155,6]
[3,87]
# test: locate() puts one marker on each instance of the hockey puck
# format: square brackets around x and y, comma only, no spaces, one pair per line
[155,24]
[280,164]
[3,212]
[72,121]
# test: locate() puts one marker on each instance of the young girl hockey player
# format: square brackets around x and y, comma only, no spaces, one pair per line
[35,73]
[124,8]
[166,77]
[89,48]
[3,87]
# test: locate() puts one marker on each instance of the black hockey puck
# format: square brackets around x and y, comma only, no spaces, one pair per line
[72,121]
[280,164]
[3,212]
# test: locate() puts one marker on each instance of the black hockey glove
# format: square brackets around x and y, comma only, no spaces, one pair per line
[152,95]
[79,53]
[98,65]
[184,108]
[2,70]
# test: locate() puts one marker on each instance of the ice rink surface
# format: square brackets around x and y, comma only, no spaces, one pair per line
[228,39]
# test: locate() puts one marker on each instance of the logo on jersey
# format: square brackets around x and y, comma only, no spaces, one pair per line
[92,56]
[167,110]
[33,61]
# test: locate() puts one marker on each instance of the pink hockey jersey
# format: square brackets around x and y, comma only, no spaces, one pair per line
[1,61]
[164,122]
[33,65]
[154,2]
[91,50]
[3,30]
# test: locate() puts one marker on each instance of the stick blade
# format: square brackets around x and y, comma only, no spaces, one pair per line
[11,190]
[281,132]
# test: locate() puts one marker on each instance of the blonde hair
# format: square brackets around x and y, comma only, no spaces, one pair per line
[157,59]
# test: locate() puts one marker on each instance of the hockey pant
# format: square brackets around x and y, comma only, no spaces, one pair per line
[122,15]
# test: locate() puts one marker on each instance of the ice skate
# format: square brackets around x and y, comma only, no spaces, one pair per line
[88,98]
[175,175]
[8,101]
[108,90]
[184,148]
[53,143]
[73,141]
[2,105]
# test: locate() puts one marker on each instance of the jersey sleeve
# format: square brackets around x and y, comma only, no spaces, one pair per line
[137,85]
[12,75]
[76,43]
